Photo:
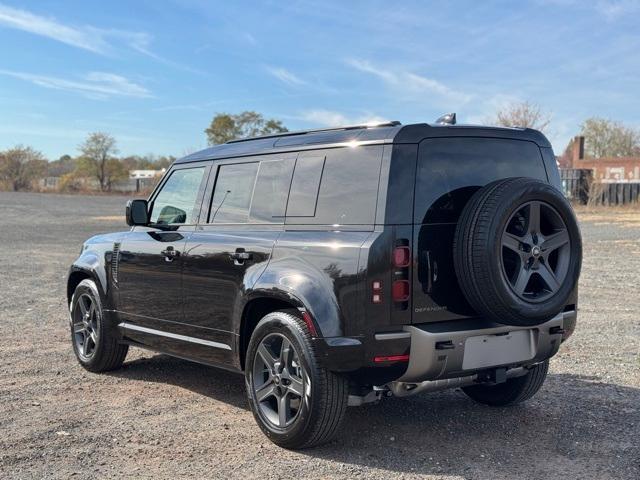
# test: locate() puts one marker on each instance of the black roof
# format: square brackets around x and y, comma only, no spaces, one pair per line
[391,132]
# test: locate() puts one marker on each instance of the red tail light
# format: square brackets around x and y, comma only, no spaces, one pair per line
[400,290]
[391,358]
[401,257]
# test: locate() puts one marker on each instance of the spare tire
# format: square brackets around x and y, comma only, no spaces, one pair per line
[517,251]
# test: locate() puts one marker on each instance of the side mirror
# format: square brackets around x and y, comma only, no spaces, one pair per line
[137,213]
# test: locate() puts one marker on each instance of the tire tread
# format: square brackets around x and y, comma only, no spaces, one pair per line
[514,391]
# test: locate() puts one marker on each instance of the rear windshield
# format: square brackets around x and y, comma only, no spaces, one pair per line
[450,171]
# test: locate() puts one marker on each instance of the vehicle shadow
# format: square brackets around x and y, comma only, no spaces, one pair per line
[576,427]
[221,385]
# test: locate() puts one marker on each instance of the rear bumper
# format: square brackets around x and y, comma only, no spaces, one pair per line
[437,350]
[445,350]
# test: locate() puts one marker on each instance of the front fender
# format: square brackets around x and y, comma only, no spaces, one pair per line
[304,285]
[94,262]
[90,264]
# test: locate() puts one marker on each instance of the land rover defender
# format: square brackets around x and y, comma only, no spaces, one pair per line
[335,267]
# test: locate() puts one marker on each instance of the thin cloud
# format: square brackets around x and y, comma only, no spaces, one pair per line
[611,9]
[47,27]
[614,9]
[95,85]
[285,76]
[412,83]
[97,40]
[85,37]
[329,118]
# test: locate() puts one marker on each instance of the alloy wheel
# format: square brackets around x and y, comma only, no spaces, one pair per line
[535,249]
[280,382]
[85,326]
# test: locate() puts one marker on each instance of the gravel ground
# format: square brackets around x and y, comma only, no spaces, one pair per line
[165,418]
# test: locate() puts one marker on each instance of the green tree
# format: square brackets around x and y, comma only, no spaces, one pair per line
[608,138]
[225,126]
[523,115]
[97,159]
[20,166]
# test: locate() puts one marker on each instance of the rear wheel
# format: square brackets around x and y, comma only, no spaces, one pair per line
[95,348]
[296,402]
[513,391]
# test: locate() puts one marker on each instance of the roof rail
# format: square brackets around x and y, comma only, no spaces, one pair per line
[393,123]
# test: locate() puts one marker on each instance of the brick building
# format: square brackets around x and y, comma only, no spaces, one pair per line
[604,170]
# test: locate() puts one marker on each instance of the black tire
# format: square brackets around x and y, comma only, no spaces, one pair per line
[104,352]
[481,263]
[320,410]
[513,391]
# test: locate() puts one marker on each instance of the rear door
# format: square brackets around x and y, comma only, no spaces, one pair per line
[231,246]
[449,172]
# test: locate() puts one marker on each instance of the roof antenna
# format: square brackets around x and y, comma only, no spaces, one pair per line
[447,119]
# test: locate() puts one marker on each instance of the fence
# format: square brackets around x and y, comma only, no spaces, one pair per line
[614,193]
[130,185]
[578,186]
[576,183]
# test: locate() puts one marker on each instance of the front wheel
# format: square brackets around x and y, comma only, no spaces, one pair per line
[296,402]
[513,391]
[95,349]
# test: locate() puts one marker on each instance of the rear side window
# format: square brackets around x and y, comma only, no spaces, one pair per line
[304,188]
[335,187]
[232,193]
[450,171]
[270,194]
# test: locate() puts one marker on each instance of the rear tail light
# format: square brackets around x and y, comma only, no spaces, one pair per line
[401,257]
[400,291]
[400,275]
[391,358]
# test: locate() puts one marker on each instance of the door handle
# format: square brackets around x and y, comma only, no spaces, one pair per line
[240,256]
[170,253]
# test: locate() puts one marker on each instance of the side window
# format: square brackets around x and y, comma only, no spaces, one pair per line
[304,186]
[176,201]
[232,193]
[348,190]
[270,194]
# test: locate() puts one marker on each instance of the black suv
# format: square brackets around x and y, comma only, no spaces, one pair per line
[334,267]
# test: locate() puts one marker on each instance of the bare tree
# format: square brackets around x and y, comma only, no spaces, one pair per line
[20,166]
[97,159]
[523,115]
[608,138]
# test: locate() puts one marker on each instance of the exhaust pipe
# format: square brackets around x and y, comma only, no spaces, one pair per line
[406,389]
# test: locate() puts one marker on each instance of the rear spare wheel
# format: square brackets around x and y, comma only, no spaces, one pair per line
[518,251]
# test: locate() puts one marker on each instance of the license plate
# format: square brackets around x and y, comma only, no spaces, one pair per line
[493,350]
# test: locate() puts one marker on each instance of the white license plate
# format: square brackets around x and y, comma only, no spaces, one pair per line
[493,350]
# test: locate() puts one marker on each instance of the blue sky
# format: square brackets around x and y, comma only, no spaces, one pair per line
[153,73]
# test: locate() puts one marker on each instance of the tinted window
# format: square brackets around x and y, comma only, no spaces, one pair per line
[304,187]
[232,193]
[450,170]
[176,201]
[271,191]
[348,188]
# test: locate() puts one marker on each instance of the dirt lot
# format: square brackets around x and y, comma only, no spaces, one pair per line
[163,417]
